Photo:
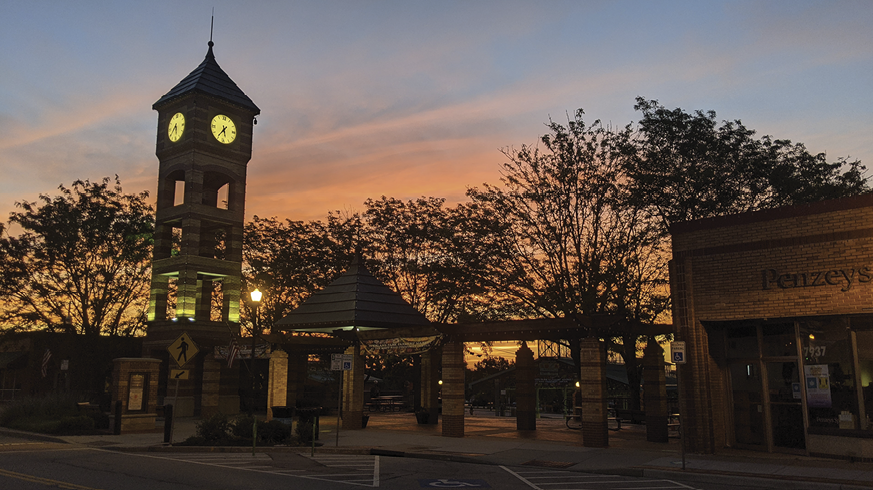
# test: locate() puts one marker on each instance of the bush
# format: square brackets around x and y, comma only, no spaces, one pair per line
[214,430]
[219,431]
[242,427]
[269,433]
[273,432]
[55,414]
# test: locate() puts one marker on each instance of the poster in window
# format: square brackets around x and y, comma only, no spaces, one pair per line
[134,399]
[818,387]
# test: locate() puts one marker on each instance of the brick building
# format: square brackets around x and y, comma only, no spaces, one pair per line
[776,308]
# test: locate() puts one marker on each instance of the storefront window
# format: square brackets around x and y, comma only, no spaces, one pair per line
[831,395]
[742,342]
[865,357]
[779,340]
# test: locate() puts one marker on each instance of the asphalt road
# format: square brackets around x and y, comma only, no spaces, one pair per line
[36,465]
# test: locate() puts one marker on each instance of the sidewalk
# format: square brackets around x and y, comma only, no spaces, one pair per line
[494,440]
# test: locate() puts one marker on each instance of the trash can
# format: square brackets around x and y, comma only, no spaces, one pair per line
[283,414]
[307,423]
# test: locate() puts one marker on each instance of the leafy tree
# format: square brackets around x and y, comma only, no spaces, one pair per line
[433,255]
[288,261]
[489,366]
[574,243]
[83,256]
[684,166]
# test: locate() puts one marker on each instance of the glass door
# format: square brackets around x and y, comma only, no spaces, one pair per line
[786,410]
[748,404]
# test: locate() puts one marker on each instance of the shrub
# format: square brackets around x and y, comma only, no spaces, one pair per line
[273,432]
[269,433]
[54,414]
[242,427]
[214,430]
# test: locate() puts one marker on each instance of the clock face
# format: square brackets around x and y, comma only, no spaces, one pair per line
[176,127]
[223,129]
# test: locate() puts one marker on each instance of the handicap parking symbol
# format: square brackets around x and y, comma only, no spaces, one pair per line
[450,483]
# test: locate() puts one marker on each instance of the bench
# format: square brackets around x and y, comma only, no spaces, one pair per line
[632,416]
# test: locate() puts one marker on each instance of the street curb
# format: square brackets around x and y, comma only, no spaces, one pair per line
[774,482]
[31,435]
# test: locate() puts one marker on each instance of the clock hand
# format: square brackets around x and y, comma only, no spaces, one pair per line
[222,130]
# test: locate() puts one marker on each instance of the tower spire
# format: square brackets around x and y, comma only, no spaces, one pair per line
[209,53]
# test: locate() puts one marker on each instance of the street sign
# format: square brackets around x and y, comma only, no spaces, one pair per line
[677,352]
[341,362]
[183,349]
[179,373]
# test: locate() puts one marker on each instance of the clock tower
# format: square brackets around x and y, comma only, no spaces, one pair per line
[204,143]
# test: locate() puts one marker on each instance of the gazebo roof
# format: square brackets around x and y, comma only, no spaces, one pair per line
[355,301]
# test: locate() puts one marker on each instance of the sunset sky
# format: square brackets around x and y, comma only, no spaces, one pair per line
[410,98]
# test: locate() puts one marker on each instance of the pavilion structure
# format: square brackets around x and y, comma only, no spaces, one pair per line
[359,311]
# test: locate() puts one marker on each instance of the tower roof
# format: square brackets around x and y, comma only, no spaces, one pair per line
[354,299]
[210,79]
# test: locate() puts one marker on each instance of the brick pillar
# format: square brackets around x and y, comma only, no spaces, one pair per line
[209,398]
[353,391]
[592,387]
[135,389]
[655,392]
[277,392]
[430,385]
[696,400]
[453,389]
[296,377]
[525,389]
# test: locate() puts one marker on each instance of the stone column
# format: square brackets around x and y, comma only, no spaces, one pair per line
[453,389]
[655,392]
[525,389]
[592,386]
[135,394]
[353,391]
[209,398]
[430,385]
[277,392]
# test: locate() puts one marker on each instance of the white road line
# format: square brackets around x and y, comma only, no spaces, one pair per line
[572,476]
[532,479]
[233,462]
[523,479]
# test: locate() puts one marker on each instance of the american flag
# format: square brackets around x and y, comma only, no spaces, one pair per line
[232,352]
[45,362]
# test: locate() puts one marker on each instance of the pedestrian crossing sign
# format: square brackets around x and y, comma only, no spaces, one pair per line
[183,349]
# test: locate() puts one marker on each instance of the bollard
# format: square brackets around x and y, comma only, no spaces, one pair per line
[116,425]
[168,424]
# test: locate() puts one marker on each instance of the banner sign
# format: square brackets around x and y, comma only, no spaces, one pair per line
[399,346]
[245,352]
[818,389]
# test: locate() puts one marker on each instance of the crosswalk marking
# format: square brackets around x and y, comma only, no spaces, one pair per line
[365,463]
[545,480]
[366,467]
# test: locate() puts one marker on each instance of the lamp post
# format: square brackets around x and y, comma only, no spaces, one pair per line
[256,300]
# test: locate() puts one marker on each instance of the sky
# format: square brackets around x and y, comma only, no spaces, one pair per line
[363,99]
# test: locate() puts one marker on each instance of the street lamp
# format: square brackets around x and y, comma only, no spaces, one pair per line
[256,300]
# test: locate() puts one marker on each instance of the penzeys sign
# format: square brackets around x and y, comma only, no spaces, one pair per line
[845,278]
